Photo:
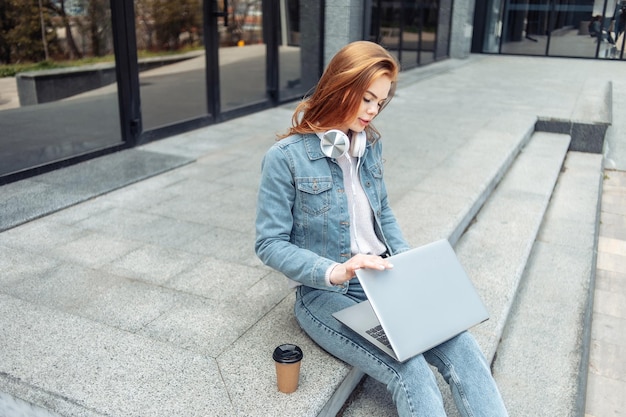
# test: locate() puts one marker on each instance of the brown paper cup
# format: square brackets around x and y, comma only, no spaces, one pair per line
[287,376]
[287,358]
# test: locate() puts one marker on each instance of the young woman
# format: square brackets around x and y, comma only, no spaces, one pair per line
[323,213]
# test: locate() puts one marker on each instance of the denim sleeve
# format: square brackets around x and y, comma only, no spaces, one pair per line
[274,223]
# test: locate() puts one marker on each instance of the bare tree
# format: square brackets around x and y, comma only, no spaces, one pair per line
[59,9]
[43,31]
[145,24]
[167,24]
[99,25]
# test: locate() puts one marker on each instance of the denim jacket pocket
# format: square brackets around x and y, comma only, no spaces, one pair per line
[314,195]
[377,170]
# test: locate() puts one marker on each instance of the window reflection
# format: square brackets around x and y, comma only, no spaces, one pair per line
[171,61]
[299,51]
[407,29]
[569,33]
[388,30]
[242,55]
[572,28]
[430,18]
[58,95]
[617,28]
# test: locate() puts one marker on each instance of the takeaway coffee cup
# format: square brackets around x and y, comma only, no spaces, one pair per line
[287,358]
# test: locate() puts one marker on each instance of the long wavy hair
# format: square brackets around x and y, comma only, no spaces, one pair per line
[340,91]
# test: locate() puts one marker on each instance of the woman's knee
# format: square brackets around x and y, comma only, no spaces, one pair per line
[414,389]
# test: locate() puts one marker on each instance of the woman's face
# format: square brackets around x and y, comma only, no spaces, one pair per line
[371,103]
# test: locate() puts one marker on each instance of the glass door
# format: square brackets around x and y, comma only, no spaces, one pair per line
[199,61]
[171,61]
[241,54]
[269,52]
[408,29]
[162,67]
[564,28]
[58,85]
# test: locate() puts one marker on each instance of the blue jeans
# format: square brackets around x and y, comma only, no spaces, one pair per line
[412,384]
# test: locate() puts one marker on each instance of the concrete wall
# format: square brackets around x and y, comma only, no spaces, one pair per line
[344,24]
[462,28]
[36,87]
[310,45]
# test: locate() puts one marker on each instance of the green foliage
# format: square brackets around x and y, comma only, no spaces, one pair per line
[7,71]
[166,24]
[21,32]
[162,25]
[12,70]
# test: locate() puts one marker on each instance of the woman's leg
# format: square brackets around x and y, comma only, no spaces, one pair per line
[412,384]
[463,366]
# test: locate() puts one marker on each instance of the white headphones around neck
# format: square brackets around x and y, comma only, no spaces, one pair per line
[335,143]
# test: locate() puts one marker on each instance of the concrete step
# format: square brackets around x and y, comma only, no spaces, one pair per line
[542,361]
[130,364]
[446,200]
[432,210]
[89,369]
[441,205]
[494,251]
[86,343]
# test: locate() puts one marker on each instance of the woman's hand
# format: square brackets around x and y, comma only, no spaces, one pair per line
[347,270]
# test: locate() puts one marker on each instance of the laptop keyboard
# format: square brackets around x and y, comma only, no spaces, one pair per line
[378,333]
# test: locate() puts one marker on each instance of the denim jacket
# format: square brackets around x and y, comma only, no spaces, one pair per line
[302,217]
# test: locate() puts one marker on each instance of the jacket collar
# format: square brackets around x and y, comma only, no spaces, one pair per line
[312,146]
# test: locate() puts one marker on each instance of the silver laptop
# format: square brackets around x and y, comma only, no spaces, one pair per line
[423,301]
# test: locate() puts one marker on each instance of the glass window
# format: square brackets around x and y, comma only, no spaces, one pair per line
[299,47]
[242,55]
[58,86]
[525,29]
[616,28]
[567,28]
[493,26]
[408,29]
[171,61]
[430,23]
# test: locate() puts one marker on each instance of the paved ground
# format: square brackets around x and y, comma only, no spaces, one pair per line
[151,245]
[607,366]
[607,363]
[8,93]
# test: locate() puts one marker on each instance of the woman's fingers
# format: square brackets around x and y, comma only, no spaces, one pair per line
[347,270]
[368,262]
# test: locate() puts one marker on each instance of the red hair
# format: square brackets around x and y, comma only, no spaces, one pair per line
[340,91]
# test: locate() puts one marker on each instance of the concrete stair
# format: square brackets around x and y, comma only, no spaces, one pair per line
[502,198]
[531,253]
[519,206]
[447,199]
[494,216]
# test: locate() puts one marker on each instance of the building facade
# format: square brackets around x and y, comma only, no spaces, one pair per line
[179,65]
[557,28]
